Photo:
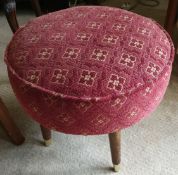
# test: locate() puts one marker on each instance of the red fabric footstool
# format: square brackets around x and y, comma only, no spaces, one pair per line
[90,70]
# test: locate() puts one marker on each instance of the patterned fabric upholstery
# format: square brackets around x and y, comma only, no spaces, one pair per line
[90,70]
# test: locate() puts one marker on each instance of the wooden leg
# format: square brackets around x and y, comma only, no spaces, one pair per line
[171,16]
[46,133]
[9,125]
[36,7]
[115,145]
[10,12]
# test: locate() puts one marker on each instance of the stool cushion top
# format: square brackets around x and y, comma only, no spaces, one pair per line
[89,52]
[90,70]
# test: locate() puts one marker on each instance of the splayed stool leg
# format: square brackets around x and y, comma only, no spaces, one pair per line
[115,145]
[46,133]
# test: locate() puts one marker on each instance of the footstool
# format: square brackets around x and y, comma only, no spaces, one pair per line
[90,70]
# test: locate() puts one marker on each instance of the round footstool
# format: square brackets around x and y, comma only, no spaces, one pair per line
[90,70]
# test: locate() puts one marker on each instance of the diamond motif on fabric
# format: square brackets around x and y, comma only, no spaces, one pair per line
[34,108]
[87,78]
[65,119]
[166,76]
[133,112]
[136,43]
[57,37]
[119,27]
[99,55]
[126,18]
[153,69]
[34,39]
[83,37]
[45,53]
[147,22]
[59,76]
[100,121]
[72,53]
[147,91]
[127,60]
[69,24]
[21,57]
[103,15]
[33,76]
[110,39]
[144,31]
[94,25]
[161,53]
[49,99]
[47,26]
[158,97]
[164,40]
[116,82]
[83,106]
[81,15]
[118,102]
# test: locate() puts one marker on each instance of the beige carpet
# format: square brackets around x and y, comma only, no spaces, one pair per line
[148,148]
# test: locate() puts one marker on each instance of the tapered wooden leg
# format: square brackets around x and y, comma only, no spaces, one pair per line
[36,7]
[171,16]
[10,12]
[9,125]
[115,145]
[46,133]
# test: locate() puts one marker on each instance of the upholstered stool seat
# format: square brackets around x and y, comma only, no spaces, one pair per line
[90,70]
